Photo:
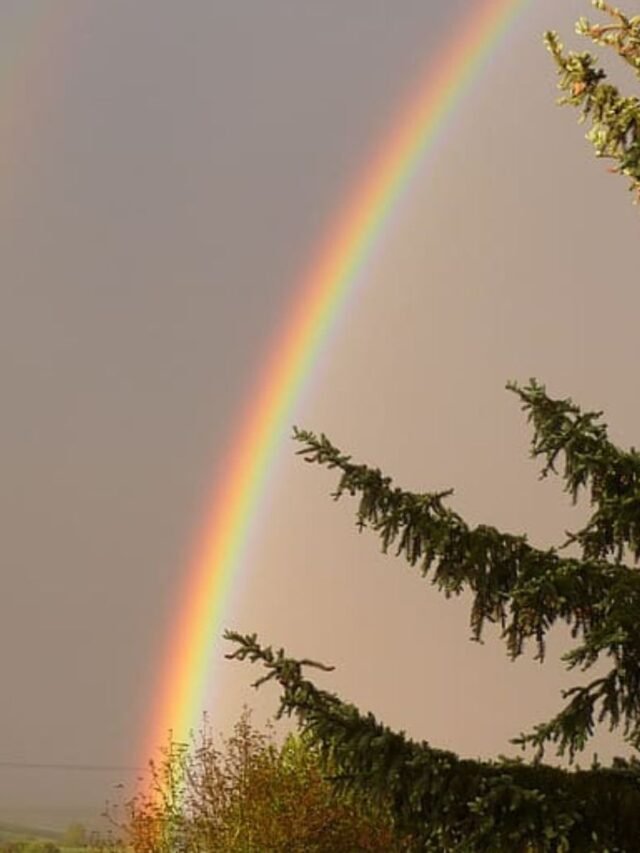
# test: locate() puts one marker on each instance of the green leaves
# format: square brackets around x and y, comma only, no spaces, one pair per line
[248,794]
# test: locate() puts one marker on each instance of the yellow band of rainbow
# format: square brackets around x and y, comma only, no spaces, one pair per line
[194,638]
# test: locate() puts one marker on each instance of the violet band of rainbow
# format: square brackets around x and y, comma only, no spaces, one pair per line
[264,422]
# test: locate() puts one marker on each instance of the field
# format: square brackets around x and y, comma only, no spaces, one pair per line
[27,836]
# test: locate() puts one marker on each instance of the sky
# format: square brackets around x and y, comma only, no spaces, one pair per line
[169,170]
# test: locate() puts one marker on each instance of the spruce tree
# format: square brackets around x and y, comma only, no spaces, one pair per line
[614,118]
[591,582]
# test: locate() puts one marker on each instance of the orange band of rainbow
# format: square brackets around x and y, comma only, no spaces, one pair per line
[194,637]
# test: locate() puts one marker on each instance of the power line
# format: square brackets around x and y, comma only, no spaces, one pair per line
[104,768]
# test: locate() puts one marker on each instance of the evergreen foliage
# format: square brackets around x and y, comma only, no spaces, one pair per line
[444,803]
[590,582]
[448,803]
[615,119]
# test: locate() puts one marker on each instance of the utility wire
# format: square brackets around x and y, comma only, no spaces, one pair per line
[105,768]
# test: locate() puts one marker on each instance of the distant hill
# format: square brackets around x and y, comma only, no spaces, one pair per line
[15,832]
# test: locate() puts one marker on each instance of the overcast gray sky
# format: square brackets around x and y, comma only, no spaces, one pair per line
[169,169]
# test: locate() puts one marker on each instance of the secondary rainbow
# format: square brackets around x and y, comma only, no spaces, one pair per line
[36,56]
[195,636]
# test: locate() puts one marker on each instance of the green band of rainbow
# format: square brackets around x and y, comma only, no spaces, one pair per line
[194,638]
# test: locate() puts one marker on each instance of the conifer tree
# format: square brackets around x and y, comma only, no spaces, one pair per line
[445,802]
[614,118]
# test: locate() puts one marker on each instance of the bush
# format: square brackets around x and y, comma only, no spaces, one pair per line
[251,796]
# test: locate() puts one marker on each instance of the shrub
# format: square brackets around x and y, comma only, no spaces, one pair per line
[252,795]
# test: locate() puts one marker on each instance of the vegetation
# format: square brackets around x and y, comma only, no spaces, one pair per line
[346,782]
[75,839]
[252,796]
[448,803]
[29,846]
[614,118]
[75,835]
[590,582]
[20,839]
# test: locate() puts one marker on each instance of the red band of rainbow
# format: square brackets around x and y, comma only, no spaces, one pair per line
[194,637]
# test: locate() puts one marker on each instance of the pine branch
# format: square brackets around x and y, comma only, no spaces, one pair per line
[622,35]
[615,119]
[447,803]
[591,462]
[523,589]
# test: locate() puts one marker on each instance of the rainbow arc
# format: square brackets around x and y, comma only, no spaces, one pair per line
[331,278]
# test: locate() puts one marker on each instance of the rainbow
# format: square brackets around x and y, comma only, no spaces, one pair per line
[38,45]
[266,420]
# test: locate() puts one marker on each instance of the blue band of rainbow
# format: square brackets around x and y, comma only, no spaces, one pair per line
[266,420]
